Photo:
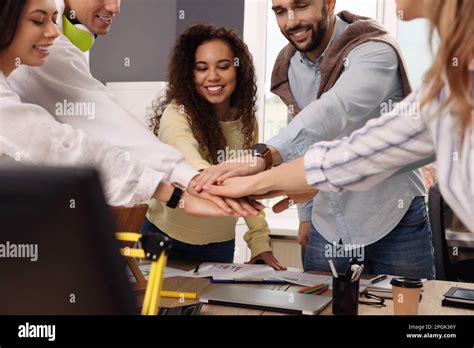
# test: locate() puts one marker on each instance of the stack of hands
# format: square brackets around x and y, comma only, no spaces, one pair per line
[234,188]
[248,179]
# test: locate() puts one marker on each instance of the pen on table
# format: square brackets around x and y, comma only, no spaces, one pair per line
[316,290]
[322,291]
[196,270]
[333,269]
[178,294]
[378,279]
[310,288]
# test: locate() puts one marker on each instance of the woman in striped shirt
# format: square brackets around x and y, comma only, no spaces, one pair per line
[435,120]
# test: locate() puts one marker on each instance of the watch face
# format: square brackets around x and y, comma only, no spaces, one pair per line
[259,149]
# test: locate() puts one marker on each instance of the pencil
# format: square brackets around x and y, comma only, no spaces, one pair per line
[322,291]
[310,288]
[312,291]
[179,294]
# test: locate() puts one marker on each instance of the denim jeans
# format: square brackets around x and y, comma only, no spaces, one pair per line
[213,252]
[406,251]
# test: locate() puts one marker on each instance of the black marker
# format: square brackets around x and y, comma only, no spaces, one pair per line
[378,279]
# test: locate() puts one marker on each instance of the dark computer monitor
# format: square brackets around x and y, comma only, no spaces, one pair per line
[78,270]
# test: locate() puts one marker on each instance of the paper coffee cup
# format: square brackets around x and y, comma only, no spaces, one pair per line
[406,295]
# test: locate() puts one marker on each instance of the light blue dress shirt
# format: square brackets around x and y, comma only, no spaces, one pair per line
[369,86]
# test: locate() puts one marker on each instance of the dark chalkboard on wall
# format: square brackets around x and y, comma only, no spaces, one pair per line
[142,36]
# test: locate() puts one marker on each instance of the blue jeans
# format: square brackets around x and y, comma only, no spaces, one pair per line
[213,252]
[406,251]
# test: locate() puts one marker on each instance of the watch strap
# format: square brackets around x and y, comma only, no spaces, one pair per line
[175,197]
[267,156]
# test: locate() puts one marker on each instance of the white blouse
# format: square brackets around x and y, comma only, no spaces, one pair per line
[30,135]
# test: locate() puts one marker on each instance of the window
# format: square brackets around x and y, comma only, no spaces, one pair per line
[413,39]
[275,109]
[367,8]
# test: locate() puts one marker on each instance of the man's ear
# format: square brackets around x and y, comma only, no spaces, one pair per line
[330,6]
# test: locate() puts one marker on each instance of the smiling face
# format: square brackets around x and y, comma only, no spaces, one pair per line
[303,22]
[96,15]
[35,34]
[215,75]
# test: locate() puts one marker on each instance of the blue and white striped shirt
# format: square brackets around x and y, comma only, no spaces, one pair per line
[408,134]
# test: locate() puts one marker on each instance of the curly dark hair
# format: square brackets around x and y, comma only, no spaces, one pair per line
[199,111]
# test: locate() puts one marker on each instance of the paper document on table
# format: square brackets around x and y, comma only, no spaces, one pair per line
[169,272]
[173,272]
[307,279]
[303,279]
[234,271]
[231,271]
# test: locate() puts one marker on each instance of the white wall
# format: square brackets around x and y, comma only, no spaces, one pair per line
[136,97]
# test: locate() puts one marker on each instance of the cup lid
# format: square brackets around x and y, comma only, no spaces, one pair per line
[411,283]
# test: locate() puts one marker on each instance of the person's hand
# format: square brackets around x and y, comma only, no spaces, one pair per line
[242,206]
[205,205]
[287,178]
[239,187]
[200,207]
[269,259]
[303,233]
[219,173]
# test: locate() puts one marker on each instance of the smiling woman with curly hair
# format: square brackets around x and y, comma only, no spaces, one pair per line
[208,113]
[203,108]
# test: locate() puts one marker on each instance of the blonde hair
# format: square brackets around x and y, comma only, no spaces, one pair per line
[453,21]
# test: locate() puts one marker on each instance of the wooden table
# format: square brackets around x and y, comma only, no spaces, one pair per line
[429,305]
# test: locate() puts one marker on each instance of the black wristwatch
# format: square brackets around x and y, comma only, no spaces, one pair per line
[175,196]
[262,150]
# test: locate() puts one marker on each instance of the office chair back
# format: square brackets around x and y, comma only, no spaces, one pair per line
[446,267]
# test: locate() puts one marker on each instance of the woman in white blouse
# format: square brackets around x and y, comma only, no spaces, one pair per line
[437,119]
[30,135]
